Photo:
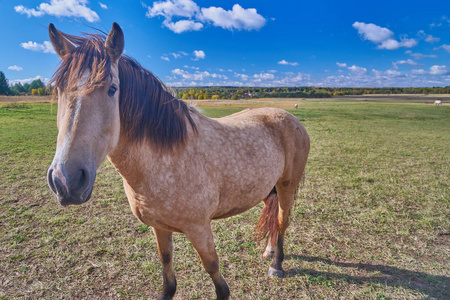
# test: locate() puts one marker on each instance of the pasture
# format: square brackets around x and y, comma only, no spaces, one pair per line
[372,219]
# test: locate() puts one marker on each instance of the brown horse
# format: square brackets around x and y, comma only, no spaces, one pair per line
[180,169]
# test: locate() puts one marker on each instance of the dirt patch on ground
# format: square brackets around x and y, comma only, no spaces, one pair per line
[25,98]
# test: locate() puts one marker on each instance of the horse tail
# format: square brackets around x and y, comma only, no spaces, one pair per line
[267,225]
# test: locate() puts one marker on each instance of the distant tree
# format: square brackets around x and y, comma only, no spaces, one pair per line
[234,97]
[4,87]
[17,89]
[215,97]
[192,92]
[34,92]
[37,84]
[40,91]
[27,88]
[185,96]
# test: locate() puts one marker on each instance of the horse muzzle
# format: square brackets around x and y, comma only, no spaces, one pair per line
[73,189]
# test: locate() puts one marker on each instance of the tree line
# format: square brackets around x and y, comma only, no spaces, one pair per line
[224,92]
[35,88]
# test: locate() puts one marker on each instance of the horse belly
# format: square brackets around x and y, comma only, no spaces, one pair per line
[248,180]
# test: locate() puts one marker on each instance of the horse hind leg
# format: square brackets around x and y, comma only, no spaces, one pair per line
[267,226]
[273,223]
[286,197]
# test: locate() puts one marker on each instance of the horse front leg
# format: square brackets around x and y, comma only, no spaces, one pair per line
[165,250]
[203,242]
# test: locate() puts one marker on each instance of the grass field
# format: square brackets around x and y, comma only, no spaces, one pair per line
[372,220]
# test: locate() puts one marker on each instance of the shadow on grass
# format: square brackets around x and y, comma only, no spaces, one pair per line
[437,286]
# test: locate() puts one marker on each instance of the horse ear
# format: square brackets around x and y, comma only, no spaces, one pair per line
[115,42]
[61,45]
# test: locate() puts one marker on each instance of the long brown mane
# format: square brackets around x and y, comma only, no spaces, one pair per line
[148,110]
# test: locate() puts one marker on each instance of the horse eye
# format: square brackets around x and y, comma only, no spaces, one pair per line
[112,90]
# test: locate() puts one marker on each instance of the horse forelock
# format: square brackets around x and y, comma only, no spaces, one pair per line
[88,56]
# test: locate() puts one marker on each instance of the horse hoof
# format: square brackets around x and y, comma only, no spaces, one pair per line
[275,273]
[268,254]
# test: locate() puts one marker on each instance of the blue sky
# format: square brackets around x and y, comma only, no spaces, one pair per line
[246,43]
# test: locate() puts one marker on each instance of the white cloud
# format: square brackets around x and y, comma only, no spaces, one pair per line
[392,44]
[15,68]
[388,75]
[284,62]
[244,77]
[199,54]
[29,12]
[179,72]
[419,72]
[439,70]
[357,69]
[61,8]
[187,67]
[45,47]
[435,70]
[354,68]
[104,6]
[418,56]
[263,76]
[404,62]
[178,54]
[432,39]
[445,47]
[165,58]
[372,32]
[291,79]
[394,73]
[427,37]
[184,25]
[236,18]
[173,8]
[197,75]
[193,18]
[432,25]
[382,36]
[29,80]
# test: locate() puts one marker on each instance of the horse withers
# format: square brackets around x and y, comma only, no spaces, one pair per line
[180,169]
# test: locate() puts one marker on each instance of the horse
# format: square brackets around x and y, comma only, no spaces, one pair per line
[180,169]
[438,103]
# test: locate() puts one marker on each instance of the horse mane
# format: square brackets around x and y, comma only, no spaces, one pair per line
[148,109]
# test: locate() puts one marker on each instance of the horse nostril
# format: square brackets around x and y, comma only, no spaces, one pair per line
[55,183]
[80,181]
[59,186]
[83,178]
[50,180]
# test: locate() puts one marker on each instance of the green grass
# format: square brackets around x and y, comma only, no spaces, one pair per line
[372,220]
